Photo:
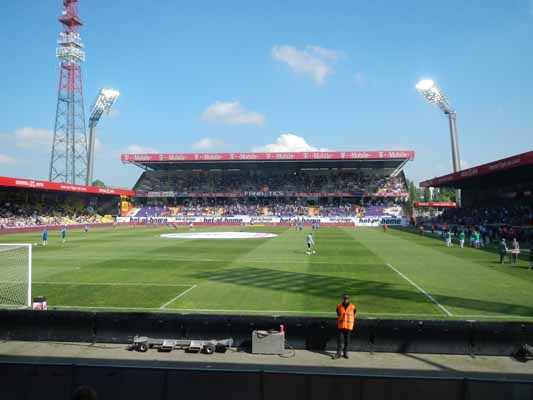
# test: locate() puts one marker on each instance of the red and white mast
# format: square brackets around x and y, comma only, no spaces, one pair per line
[69,150]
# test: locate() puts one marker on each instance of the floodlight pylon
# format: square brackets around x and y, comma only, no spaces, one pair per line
[68,162]
[434,95]
[102,105]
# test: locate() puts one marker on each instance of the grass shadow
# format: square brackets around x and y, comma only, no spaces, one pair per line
[329,287]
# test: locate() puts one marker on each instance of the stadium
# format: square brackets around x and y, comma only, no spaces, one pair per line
[272,272]
[157,256]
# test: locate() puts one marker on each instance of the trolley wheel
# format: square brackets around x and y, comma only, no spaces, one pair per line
[209,348]
[143,347]
[221,348]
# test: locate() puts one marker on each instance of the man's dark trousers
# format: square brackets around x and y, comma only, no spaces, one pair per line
[343,335]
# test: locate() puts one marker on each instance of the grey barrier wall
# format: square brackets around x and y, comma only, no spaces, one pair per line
[380,335]
[57,382]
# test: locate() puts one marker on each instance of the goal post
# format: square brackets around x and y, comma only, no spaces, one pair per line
[15,274]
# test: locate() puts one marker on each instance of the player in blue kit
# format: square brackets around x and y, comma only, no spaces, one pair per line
[64,234]
[45,237]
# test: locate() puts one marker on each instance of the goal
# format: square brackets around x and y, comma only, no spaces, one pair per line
[15,275]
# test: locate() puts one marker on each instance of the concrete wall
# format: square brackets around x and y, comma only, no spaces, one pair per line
[57,382]
[381,335]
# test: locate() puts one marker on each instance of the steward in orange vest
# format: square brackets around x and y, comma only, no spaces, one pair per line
[345,323]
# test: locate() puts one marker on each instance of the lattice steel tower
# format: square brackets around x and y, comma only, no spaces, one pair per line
[69,150]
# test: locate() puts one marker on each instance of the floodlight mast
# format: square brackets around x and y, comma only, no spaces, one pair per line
[434,95]
[68,161]
[105,100]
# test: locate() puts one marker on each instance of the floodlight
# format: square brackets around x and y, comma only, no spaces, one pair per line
[105,100]
[103,104]
[434,95]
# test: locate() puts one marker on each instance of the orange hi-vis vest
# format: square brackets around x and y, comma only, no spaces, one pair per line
[346,316]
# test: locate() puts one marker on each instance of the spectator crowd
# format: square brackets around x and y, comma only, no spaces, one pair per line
[24,216]
[252,181]
[491,223]
[266,207]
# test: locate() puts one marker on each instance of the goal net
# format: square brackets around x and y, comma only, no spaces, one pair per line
[15,275]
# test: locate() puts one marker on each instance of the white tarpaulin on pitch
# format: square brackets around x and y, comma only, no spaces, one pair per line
[219,235]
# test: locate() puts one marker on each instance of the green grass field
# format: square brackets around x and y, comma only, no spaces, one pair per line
[392,275]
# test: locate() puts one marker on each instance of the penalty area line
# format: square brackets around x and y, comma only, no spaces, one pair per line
[109,284]
[163,307]
[421,290]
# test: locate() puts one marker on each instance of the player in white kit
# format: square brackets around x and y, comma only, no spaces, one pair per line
[310,244]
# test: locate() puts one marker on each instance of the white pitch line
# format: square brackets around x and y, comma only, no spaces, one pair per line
[233,261]
[421,290]
[177,297]
[109,284]
[105,308]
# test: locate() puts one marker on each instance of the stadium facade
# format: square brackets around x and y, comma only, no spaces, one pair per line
[327,187]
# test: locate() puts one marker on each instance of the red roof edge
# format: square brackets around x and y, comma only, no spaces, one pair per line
[62,187]
[287,156]
[480,170]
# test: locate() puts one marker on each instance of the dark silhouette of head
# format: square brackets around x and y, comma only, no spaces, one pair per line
[84,392]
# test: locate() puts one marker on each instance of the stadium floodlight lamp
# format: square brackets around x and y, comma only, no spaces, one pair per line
[103,104]
[434,95]
[105,100]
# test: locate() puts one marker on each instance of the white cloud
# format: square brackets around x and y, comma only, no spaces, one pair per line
[288,142]
[6,159]
[34,137]
[136,149]
[325,53]
[27,137]
[209,144]
[233,113]
[313,60]
[359,79]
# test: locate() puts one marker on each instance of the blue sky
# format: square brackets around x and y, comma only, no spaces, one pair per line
[241,75]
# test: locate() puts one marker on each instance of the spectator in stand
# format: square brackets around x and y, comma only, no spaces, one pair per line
[26,215]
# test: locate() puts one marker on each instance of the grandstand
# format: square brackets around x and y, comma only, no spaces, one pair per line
[319,184]
[28,203]
[497,198]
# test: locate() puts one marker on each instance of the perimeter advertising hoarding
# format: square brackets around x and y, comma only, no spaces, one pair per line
[245,219]
[270,194]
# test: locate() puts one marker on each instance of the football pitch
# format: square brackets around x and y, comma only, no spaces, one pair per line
[397,274]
